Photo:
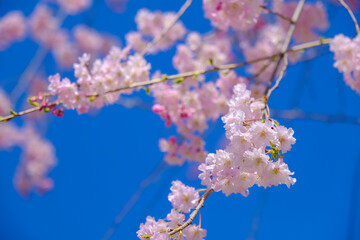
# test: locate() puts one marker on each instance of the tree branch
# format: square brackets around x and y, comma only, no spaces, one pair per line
[286,43]
[193,214]
[134,199]
[277,14]
[296,48]
[167,28]
[344,4]
[298,114]
[281,75]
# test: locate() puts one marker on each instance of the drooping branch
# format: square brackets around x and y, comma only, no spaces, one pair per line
[134,199]
[286,43]
[34,64]
[344,4]
[193,214]
[301,115]
[281,75]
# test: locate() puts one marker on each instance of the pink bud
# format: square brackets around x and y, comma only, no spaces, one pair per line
[219,6]
[157,108]
[172,140]
[60,113]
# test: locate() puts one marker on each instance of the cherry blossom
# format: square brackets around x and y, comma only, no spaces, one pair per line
[347,59]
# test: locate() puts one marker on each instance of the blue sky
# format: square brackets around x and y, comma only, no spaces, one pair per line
[103,157]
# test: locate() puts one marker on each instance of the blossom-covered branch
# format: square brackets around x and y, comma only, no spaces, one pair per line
[181,76]
[193,214]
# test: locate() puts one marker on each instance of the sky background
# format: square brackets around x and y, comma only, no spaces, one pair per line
[104,156]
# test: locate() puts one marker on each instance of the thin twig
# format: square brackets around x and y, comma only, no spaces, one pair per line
[193,214]
[344,4]
[286,43]
[27,111]
[299,114]
[187,74]
[29,73]
[167,28]
[281,75]
[134,199]
[277,14]
[34,65]
[262,69]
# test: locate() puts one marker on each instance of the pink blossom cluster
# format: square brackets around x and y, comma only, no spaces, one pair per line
[65,46]
[150,25]
[37,160]
[240,15]
[254,153]
[269,42]
[347,59]
[96,82]
[90,41]
[201,52]
[183,199]
[38,154]
[44,25]
[190,104]
[12,28]
[313,18]
[74,6]
[177,151]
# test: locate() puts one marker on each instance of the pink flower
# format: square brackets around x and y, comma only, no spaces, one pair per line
[150,25]
[241,15]
[154,230]
[175,218]
[194,232]
[246,160]
[38,159]
[347,59]
[276,173]
[183,197]
[286,139]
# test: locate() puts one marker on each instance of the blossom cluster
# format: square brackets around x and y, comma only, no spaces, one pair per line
[12,28]
[74,6]
[269,42]
[347,59]
[183,199]
[66,46]
[240,15]
[44,27]
[38,156]
[150,25]
[96,83]
[254,153]
[191,102]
